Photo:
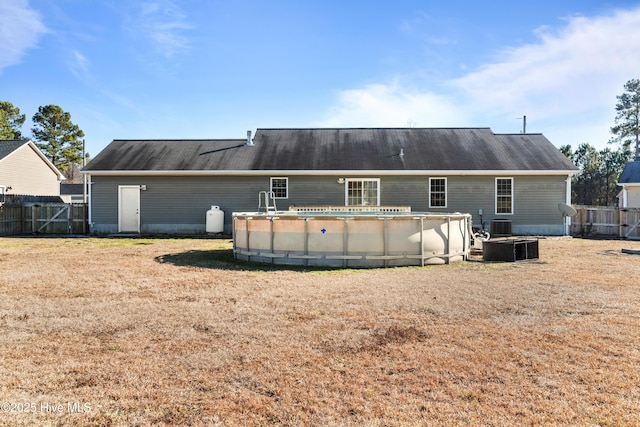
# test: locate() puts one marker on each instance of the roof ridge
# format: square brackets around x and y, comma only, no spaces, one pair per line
[519,133]
[377,128]
[180,139]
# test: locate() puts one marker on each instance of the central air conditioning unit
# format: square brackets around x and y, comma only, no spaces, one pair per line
[501,228]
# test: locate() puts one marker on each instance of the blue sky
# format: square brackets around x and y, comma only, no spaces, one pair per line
[215,69]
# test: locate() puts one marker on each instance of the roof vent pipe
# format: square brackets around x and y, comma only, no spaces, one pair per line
[401,152]
[249,141]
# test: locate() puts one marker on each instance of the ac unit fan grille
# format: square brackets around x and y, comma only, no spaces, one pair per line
[501,228]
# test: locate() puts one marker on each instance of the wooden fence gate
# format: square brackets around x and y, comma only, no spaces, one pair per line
[606,221]
[45,218]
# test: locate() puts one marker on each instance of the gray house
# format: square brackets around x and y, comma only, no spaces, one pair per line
[167,186]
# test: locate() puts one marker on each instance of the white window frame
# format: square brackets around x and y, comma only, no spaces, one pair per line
[445,191]
[511,210]
[286,188]
[347,183]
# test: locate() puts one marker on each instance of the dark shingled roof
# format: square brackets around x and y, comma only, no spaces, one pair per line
[455,149]
[172,155]
[631,173]
[70,189]
[9,146]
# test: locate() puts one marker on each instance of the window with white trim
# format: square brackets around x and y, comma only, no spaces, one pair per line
[437,192]
[362,192]
[280,187]
[504,196]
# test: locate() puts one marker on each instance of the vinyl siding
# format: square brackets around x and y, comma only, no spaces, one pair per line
[26,173]
[536,199]
[175,204]
[633,197]
[179,204]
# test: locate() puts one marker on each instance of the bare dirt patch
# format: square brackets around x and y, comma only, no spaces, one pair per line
[174,332]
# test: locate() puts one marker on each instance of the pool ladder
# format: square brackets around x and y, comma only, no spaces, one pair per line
[269,205]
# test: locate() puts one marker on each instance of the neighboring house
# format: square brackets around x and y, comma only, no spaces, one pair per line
[629,180]
[25,170]
[167,186]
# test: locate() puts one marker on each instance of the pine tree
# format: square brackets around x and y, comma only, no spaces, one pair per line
[627,128]
[56,135]
[10,121]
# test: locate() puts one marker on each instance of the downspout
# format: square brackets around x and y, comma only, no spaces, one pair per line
[622,204]
[90,199]
[84,188]
[84,175]
[567,219]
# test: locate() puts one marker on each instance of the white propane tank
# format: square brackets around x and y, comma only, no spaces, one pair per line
[215,220]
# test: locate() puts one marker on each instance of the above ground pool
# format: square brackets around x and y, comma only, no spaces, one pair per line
[327,237]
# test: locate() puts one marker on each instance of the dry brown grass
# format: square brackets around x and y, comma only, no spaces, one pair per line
[171,332]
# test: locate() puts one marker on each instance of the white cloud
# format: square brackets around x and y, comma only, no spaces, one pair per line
[163,23]
[390,105]
[566,82]
[79,65]
[20,28]
[574,69]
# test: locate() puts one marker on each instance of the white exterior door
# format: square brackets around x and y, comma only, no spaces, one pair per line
[129,208]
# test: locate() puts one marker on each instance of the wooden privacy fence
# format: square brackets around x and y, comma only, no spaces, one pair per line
[606,221]
[10,220]
[49,218]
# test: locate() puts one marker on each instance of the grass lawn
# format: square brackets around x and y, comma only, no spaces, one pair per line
[175,332]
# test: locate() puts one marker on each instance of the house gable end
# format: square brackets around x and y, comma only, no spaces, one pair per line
[25,170]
